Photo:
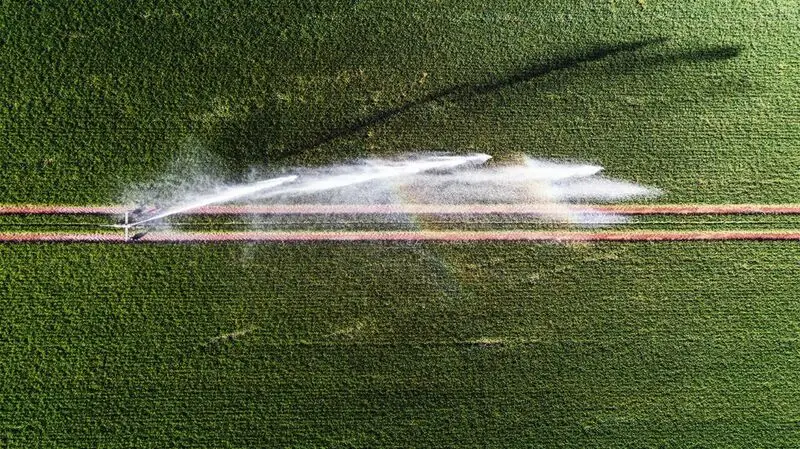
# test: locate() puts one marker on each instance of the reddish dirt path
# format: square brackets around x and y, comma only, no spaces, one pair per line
[429,209]
[409,236]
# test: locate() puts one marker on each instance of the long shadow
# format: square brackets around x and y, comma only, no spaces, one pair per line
[711,54]
[524,75]
[466,89]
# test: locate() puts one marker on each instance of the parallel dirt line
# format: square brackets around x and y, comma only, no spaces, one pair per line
[409,236]
[429,209]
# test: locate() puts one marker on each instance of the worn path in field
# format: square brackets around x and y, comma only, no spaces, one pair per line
[429,209]
[406,236]
[418,235]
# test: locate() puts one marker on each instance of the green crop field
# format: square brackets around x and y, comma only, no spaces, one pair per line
[399,345]
[659,345]
[700,99]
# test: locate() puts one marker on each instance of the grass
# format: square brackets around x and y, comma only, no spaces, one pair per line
[509,344]
[699,99]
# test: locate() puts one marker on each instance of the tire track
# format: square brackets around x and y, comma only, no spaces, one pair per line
[423,209]
[407,236]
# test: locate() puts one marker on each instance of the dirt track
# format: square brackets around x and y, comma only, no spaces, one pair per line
[430,209]
[408,236]
[412,236]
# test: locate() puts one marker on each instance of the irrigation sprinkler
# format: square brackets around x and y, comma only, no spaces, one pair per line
[136,236]
[125,225]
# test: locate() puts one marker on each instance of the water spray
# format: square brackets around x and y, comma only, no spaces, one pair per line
[228,194]
[375,170]
[431,179]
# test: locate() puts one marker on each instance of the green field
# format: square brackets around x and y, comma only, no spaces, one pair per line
[381,345]
[699,99]
[660,345]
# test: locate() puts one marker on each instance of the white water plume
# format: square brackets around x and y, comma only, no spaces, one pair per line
[559,185]
[420,180]
[533,181]
[436,179]
[371,172]
[597,189]
[224,196]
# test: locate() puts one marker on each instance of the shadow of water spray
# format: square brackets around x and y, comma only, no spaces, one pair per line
[444,294]
[418,317]
[528,74]
[265,136]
